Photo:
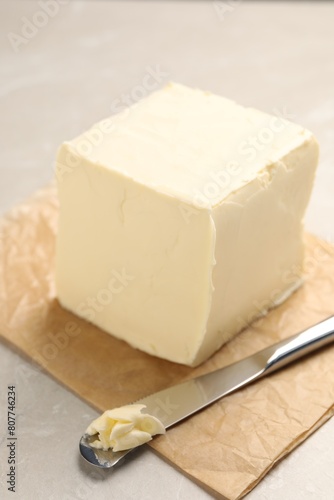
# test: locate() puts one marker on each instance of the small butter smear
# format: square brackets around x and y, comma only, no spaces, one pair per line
[124,428]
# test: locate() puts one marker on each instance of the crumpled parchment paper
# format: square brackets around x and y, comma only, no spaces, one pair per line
[228,447]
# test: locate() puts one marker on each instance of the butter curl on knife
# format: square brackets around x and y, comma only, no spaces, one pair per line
[124,428]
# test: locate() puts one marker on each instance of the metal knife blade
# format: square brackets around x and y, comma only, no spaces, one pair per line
[180,401]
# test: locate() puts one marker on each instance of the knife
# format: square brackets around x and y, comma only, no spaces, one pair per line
[180,401]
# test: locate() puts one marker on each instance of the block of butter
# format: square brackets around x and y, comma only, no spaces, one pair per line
[181,220]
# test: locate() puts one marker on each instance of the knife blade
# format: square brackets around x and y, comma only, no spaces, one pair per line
[180,401]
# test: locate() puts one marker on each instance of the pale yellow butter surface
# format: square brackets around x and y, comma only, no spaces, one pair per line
[124,428]
[181,220]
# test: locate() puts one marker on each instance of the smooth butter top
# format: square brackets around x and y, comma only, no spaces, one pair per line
[190,144]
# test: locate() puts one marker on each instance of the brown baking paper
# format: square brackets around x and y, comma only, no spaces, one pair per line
[228,447]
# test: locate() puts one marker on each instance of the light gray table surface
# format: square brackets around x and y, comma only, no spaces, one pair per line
[65,69]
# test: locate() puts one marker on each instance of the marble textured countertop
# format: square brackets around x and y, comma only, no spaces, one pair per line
[65,65]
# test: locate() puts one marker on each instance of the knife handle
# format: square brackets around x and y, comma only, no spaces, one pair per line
[299,345]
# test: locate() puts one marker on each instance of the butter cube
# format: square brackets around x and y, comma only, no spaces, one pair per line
[181,220]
